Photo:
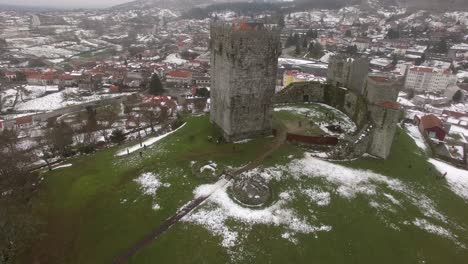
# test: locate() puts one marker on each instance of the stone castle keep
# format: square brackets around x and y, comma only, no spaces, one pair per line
[244,61]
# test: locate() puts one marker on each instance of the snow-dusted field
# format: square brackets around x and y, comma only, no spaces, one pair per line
[57,100]
[225,218]
[317,112]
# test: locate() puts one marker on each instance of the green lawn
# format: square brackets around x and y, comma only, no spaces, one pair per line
[94,210]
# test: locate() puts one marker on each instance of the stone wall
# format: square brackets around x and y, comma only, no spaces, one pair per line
[377,124]
[379,88]
[385,121]
[243,80]
[348,72]
[301,92]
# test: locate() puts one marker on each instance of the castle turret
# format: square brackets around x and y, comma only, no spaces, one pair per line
[348,72]
[244,64]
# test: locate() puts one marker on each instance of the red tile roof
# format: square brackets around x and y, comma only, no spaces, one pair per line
[23,120]
[379,78]
[389,104]
[179,74]
[421,69]
[430,121]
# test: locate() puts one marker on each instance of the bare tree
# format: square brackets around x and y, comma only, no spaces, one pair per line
[107,117]
[149,114]
[16,189]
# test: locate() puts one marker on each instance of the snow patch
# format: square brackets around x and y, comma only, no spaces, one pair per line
[149,185]
[146,143]
[457,179]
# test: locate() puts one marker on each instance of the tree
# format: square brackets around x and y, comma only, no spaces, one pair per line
[199,105]
[117,136]
[393,34]
[149,114]
[91,123]
[315,50]
[281,21]
[351,49]
[297,50]
[289,41]
[348,33]
[17,187]
[202,92]
[20,76]
[60,138]
[441,47]
[410,94]
[420,60]
[458,96]
[107,117]
[155,85]
[305,43]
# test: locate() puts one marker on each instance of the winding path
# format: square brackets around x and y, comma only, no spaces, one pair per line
[195,203]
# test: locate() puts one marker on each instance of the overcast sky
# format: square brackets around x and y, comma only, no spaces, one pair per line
[65,3]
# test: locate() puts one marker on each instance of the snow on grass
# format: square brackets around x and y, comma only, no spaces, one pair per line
[431,228]
[416,135]
[149,185]
[318,115]
[56,100]
[242,141]
[457,179]
[317,196]
[63,166]
[147,143]
[351,182]
[220,208]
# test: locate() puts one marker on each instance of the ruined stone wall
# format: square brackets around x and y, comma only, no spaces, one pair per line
[385,123]
[300,92]
[243,80]
[355,106]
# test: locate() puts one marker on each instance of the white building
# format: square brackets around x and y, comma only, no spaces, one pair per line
[427,79]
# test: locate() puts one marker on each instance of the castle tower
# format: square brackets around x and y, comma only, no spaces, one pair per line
[347,72]
[381,92]
[244,61]
[382,87]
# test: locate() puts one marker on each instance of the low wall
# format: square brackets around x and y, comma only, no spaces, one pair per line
[313,140]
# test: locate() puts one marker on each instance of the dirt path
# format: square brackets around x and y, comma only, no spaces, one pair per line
[192,205]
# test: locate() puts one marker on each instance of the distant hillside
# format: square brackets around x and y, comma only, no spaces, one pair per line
[183,5]
[440,5]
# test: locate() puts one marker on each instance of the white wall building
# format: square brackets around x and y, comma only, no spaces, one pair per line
[427,79]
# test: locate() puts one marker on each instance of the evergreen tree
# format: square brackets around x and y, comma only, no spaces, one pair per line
[442,46]
[289,41]
[305,43]
[281,21]
[315,50]
[458,96]
[298,48]
[348,33]
[155,85]
[117,136]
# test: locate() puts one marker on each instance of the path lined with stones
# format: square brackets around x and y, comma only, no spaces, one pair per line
[195,203]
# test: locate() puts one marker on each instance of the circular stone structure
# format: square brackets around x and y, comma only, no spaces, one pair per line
[251,190]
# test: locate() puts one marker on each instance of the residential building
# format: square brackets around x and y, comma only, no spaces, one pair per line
[178,76]
[427,79]
[431,126]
